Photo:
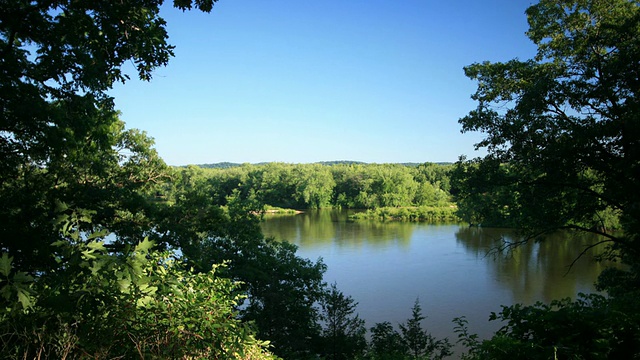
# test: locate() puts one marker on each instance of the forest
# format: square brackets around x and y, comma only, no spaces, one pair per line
[316,186]
[107,252]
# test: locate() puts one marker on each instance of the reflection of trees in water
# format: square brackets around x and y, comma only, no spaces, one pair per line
[279,227]
[537,270]
[322,227]
[532,272]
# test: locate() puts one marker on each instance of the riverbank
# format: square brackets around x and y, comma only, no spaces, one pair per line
[418,213]
[274,210]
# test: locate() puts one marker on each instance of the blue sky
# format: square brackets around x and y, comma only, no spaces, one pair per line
[302,81]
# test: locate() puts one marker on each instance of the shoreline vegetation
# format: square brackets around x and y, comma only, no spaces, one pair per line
[413,214]
[273,210]
[281,186]
[435,214]
[382,192]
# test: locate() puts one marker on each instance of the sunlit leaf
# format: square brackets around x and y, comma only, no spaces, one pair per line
[98,234]
[144,246]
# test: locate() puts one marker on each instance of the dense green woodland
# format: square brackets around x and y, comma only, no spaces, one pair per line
[106,252]
[314,186]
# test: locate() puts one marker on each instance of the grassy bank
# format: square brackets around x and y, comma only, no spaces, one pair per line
[274,210]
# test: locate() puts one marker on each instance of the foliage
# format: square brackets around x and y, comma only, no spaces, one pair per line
[313,186]
[340,185]
[592,327]
[418,342]
[386,343]
[60,137]
[496,194]
[281,287]
[63,149]
[220,165]
[343,336]
[422,213]
[562,136]
[563,152]
[412,342]
[140,303]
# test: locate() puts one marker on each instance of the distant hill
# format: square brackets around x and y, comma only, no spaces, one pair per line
[418,164]
[220,165]
[340,162]
[226,165]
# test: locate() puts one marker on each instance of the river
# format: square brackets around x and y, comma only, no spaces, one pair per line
[386,266]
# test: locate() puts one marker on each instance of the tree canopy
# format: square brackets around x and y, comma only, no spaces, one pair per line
[313,186]
[69,166]
[562,129]
[563,142]
[61,142]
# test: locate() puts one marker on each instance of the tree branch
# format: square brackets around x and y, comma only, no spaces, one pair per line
[583,252]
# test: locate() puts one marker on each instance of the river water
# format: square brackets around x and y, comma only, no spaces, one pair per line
[386,266]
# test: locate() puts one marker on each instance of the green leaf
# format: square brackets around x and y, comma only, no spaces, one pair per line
[24,298]
[22,278]
[96,246]
[144,246]
[97,266]
[5,264]
[124,285]
[98,234]
[61,206]
[144,301]
[88,254]
[6,292]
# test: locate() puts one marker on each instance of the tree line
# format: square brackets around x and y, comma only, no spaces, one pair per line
[315,186]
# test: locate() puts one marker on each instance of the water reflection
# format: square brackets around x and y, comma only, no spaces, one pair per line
[319,228]
[531,272]
[539,270]
[385,266]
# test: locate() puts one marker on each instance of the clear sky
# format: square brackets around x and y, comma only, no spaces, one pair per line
[301,81]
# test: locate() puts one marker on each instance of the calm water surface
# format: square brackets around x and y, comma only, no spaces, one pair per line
[386,266]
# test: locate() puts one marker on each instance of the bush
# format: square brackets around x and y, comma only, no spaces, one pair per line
[137,304]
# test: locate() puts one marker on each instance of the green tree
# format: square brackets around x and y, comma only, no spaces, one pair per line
[418,342]
[343,336]
[437,175]
[414,336]
[314,186]
[63,150]
[281,287]
[564,124]
[60,137]
[140,304]
[274,184]
[429,195]
[349,183]
[386,343]
[591,327]
[485,194]
[394,185]
[563,143]
[282,290]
